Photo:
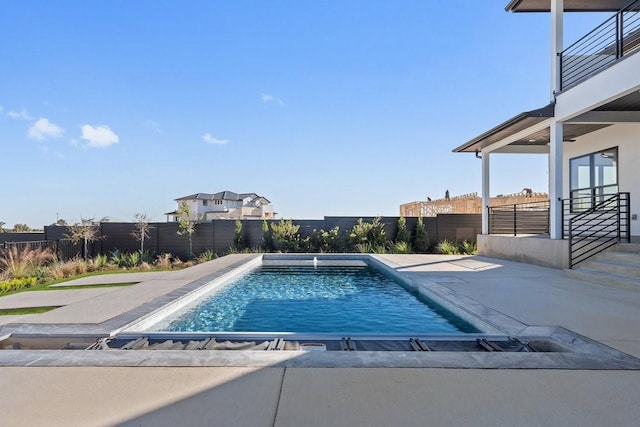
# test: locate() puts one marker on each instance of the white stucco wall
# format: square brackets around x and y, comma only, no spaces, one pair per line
[626,137]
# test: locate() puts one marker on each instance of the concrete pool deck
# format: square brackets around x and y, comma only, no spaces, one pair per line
[277,396]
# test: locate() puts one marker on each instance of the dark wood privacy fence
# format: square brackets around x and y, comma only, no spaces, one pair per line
[217,235]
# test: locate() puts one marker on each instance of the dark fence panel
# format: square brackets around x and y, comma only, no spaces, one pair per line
[202,238]
[169,241]
[55,232]
[224,232]
[117,236]
[218,235]
[252,233]
[21,237]
[458,226]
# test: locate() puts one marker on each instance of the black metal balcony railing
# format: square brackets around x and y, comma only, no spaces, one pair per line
[606,222]
[520,218]
[615,38]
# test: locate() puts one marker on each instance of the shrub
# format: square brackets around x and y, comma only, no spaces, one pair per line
[16,263]
[119,258]
[448,247]
[100,261]
[164,261]
[326,241]
[132,259]
[17,284]
[207,255]
[286,236]
[370,233]
[401,248]
[144,266]
[469,247]
[56,270]
[363,248]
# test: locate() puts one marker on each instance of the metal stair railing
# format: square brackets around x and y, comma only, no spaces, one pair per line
[597,228]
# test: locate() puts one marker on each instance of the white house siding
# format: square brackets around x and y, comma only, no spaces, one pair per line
[626,137]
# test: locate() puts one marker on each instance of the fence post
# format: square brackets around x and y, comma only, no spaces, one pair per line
[628,219]
[618,201]
[515,221]
[561,218]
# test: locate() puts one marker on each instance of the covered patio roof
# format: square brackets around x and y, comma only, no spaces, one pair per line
[622,110]
[508,128]
[569,5]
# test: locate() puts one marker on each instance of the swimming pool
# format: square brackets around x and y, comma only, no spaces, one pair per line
[300,297]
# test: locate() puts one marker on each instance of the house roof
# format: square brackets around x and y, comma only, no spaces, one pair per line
[569,5]
[222,195]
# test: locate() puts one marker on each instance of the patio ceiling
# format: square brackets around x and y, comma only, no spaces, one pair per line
[507,129]
[625,109]
[569,5]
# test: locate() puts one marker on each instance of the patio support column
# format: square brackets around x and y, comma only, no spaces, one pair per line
[555,180]
[557,9]
[485,192]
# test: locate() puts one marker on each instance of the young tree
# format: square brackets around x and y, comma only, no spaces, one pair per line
[267,243]
[238,239]
[2,225]
[421,239]
[402,236]
[84,231]
[185,225]
[141,230]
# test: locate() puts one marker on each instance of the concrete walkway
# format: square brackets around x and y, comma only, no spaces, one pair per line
[275,396]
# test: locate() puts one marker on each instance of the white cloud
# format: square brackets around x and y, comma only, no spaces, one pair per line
[266,98]
[43,129]
[210,139]
[20,115]
[99,136]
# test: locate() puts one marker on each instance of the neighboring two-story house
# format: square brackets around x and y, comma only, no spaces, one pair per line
[225,205]
[590,132]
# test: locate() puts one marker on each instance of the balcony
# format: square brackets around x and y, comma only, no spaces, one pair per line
[610,42]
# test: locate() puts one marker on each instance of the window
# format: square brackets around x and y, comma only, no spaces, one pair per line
[218,201]
[593,177]
[205,203]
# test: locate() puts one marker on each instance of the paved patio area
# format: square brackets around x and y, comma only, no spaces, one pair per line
[277,396]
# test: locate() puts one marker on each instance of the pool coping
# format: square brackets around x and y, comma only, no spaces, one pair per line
[585,353]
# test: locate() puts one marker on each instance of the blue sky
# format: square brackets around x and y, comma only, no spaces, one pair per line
[326,108]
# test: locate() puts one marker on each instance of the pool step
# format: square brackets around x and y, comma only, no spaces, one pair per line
[471,344]
[618,266]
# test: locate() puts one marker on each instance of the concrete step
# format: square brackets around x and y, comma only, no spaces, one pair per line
[613,267]
[607,279]
[626,247]
[632,258]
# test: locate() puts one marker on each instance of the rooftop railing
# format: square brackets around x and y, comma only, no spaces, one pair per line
[615,38]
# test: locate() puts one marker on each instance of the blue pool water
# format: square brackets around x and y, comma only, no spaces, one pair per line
[315,300]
